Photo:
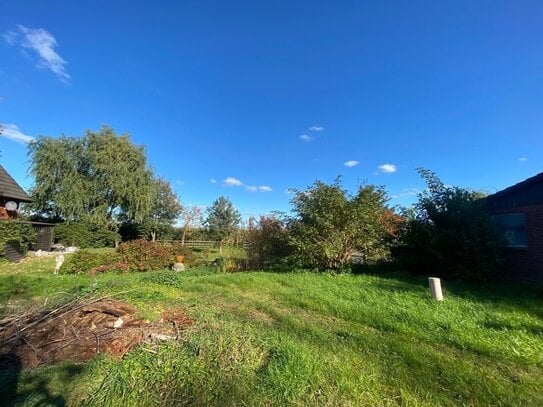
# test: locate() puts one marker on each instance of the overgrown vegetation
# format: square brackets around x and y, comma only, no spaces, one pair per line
[135,255]
[449,234]
[267,242]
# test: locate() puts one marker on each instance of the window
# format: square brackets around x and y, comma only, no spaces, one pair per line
[513,227]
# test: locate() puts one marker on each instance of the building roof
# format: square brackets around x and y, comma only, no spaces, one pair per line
[10,189]
[527,192]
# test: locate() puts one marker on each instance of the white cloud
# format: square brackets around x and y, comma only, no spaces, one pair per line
[351,163]
[388,168]
[43,43]
[213,181]
[305,137]
[523,159]
[316,128]
[252,188]
[12,132]
[264,188]
[232,182]
[179,182]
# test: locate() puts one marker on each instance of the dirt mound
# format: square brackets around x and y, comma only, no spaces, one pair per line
[79,331]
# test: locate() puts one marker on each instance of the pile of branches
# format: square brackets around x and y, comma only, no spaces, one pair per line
[81,329]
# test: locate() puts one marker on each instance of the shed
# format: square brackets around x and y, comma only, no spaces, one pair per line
[518,211]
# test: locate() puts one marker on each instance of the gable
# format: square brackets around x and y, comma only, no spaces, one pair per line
[9,188]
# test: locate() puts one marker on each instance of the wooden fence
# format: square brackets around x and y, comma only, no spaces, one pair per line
[203,244]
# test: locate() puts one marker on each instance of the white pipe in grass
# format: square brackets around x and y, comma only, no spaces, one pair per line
[435,288]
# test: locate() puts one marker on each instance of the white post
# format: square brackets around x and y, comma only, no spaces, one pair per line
[58,263]
[435,288]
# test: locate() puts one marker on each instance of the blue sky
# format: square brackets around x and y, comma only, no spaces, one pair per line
[248,99]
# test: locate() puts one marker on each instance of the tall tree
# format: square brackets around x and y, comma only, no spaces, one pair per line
[92,178]
[165,209]
[332,225]
[222,220]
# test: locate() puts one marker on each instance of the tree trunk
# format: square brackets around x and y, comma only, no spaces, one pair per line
[183,238]
[153,236]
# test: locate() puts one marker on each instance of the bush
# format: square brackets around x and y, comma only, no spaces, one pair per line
[332,225]
[267,242]
[449,234]
[20,235]
[143,255]
[85,261]
[84,235]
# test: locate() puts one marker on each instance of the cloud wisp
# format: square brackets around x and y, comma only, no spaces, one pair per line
[387,168]
[261,188]
[12,132]
[234,182]
[43,43]
[316,128]
[306,137]
[351,163]
[523,159]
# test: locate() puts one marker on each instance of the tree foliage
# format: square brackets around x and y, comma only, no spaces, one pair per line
[165,209]
[331,225]
[449,234]
[222,219]
[92,178]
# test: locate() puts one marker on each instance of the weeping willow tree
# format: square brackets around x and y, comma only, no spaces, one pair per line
[95,178]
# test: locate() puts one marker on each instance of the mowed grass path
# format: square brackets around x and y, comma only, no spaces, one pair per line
[302,339]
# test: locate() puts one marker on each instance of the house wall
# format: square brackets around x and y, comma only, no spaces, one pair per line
[525,264]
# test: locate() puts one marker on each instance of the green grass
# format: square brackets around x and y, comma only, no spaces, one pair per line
[301,339]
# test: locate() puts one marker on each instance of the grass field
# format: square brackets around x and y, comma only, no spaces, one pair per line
[298,339]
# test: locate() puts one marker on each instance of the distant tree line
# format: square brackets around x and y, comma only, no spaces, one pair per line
[100,189]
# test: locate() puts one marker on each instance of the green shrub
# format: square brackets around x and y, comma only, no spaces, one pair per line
[84,235]
[85,261]
[450,234]
[143,255]
[20,235]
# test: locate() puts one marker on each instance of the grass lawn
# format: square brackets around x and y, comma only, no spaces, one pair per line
[298,339]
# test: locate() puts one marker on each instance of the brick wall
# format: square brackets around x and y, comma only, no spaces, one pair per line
[526,264]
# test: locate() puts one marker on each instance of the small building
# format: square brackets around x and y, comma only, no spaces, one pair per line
[11,197]
[518,211]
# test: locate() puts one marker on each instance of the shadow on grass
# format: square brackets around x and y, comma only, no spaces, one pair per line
[33,387]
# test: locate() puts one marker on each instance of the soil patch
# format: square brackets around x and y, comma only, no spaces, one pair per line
[80,330]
